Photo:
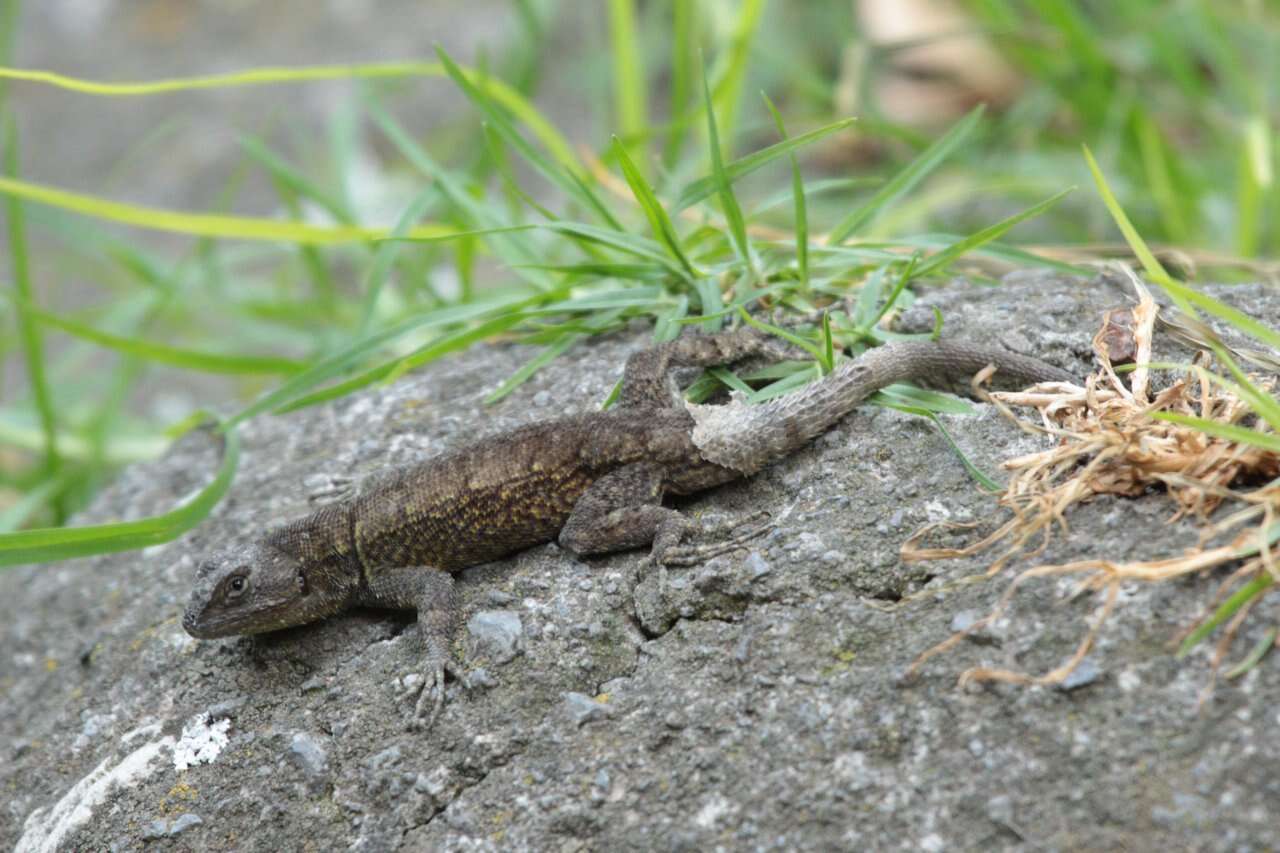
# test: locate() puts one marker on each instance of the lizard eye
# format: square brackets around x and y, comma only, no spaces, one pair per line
[236,586]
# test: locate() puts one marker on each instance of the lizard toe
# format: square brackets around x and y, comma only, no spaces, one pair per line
[743,532]
[430,701]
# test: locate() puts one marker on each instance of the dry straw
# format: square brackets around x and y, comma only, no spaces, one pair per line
[1111,441]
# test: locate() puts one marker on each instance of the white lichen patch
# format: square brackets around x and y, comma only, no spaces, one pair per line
[45,829]
[201,742]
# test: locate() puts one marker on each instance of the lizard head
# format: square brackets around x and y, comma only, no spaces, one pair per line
[249,589]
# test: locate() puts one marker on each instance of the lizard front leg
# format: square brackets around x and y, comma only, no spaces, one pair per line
[623,509]
[430,592]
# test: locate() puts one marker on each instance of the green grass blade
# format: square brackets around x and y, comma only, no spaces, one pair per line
[801,215]
[337,364]
[684,60]
[905,180]
[628,76]
[20,432]
[630,244]
[512,248]
[899,286]
[819,355]
[396,367]
[728,201]
[1131,236]
[981,477]
[532,366]
[566,178]
[61,543]
[1230,432]
[1265,644]
[935,401]
[908,178]
[28,330]
[1264,404]
[733,67]
[1238,599]
[385,256]
[943,259]
[603,270]
[519,106]
[1256,178]
[1219,309]
[705,187]
[204,362]
[664,230]
[31,501]
[202,224]
[710,303]
[1168,197]
[293,179]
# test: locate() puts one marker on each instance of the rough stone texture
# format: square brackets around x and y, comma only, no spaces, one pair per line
[754,701]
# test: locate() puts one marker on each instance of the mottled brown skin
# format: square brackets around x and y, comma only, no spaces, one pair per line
[594,483]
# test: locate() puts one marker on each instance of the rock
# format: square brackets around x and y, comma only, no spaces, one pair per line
[1085,673]
[753,705]
[498,633]
[584,709]
[309,754]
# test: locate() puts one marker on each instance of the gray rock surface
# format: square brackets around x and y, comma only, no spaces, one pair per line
[754,701]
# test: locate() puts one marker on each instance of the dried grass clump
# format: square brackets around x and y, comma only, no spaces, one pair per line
[1119,439]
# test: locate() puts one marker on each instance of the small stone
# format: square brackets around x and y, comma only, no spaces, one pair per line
[1083,675]
[498,632]
[226,708]
[542,399]
[309,753]
[584,709]
[963,620]
[1000,809]
[833,557]
[480,677]
[183,823]
[384,759]
[316,682]
[757,565]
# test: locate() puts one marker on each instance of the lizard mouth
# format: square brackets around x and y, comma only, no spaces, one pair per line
[192,624]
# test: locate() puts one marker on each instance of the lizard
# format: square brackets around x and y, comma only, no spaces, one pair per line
[594,483]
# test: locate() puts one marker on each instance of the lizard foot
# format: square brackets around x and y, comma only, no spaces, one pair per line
[431,698]
[729,539]
[325,489]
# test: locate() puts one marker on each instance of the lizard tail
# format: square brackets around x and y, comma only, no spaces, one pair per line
[745,438]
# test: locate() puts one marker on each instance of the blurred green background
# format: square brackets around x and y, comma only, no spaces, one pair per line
[113,338]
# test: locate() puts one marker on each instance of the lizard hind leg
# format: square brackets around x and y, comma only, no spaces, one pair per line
[623,510]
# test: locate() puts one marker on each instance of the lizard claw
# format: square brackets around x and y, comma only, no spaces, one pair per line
[743,532]
[433,695]
[325,489]
[431,699]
